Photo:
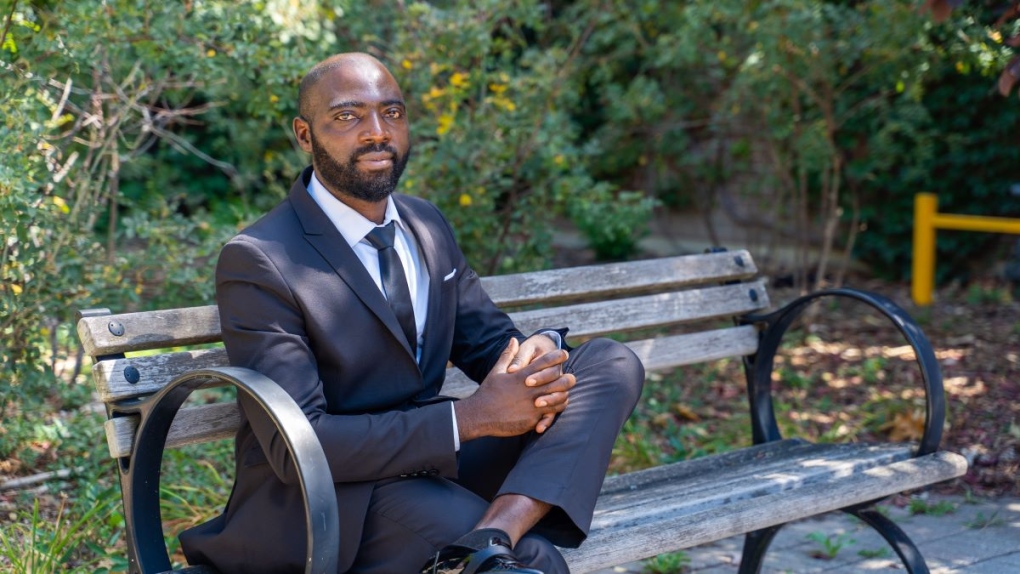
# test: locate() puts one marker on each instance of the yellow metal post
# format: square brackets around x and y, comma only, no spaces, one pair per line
[977,223]
[923,277]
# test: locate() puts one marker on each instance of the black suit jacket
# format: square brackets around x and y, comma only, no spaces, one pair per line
[297,305]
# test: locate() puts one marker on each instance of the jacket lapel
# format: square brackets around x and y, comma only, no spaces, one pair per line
[324,237]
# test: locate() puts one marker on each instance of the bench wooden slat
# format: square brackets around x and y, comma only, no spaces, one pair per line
[657,354]
[620,315]
[155,371]
[683,522]
[180,327]
[612,279]
[149,330]
[660,353]
[745,475]
[192,425]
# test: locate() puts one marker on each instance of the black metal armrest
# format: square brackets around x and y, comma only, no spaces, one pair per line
[759,366]
[140,474]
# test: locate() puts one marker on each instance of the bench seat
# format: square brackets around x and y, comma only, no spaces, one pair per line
[694,502]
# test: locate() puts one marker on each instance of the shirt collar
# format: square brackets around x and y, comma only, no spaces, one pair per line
[351,224]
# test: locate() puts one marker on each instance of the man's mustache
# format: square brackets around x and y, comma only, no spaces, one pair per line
[374,148]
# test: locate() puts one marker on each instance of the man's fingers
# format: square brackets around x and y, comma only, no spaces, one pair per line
[545,422]
[546,368]
[522,358]
[553,400]
[547,376]
[507,356]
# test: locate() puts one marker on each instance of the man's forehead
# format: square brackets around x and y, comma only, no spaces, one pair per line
[357,80]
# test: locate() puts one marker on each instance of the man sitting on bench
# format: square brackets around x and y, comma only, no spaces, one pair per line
[353,299]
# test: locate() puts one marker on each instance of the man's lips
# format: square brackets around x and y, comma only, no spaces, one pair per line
[376,159]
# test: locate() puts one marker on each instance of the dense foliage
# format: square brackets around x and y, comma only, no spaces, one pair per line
[138,136]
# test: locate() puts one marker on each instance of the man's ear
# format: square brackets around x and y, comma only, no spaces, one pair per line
[302,133]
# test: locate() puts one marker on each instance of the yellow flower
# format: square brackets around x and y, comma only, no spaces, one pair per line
[274,98]
[465,200]
[435,92]
[559,160]
[504,103]
[210,53]
[459,80]
[445,123]
[60,203]
[16,289]
[407,64]
[497,89]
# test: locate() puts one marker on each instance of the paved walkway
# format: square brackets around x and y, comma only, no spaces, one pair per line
[977,537]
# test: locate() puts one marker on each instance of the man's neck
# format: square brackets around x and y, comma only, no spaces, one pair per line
[374,211]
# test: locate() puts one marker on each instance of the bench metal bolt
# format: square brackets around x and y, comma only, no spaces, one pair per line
[131,374]
[739,261]
[753,295]
[116,328]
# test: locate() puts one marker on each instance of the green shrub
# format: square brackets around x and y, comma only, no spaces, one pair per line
[613,226]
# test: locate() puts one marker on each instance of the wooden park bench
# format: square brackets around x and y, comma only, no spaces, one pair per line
[723,307]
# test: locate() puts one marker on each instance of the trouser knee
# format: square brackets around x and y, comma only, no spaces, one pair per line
[606,355]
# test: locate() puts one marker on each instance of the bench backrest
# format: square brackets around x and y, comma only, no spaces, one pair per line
[633,300]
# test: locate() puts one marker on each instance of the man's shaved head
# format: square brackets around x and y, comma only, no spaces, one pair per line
[319,70]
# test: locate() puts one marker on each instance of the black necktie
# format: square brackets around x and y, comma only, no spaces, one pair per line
[394,281]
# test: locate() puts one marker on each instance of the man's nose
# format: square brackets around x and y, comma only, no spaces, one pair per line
[375,129]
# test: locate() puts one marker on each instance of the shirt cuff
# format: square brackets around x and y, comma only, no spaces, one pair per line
[554,335]
[456,430]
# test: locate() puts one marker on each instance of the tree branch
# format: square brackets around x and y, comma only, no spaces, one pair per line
[7,25]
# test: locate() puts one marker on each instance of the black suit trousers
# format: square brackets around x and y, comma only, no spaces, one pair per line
[410,519]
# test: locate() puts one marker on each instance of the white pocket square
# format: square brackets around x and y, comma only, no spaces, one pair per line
[450,275]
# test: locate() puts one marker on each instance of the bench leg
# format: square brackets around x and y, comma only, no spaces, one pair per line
[755,545]
[894,535]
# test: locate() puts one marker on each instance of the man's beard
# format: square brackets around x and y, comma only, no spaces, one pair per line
[347,179]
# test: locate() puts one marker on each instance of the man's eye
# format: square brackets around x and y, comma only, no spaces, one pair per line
[395,113]
[345,116]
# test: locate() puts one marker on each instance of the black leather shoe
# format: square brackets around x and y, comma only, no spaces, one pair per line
[479,551]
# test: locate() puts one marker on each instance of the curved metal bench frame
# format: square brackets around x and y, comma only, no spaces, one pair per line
[759,367]
[146,548]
